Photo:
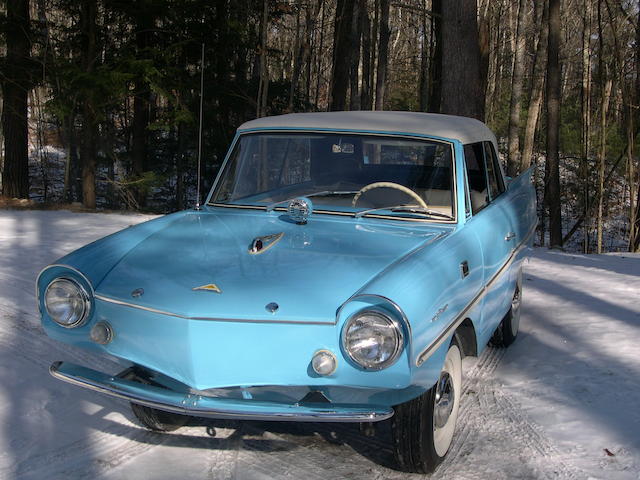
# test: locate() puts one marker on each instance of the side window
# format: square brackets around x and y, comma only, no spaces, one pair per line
[496,182]
[467,201]
[476,176]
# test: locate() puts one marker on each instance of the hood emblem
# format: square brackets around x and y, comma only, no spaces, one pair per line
[210,287]
[262,244]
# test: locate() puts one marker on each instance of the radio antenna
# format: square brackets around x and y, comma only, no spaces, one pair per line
[200,128]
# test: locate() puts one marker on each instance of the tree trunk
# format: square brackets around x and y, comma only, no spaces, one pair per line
[552,180]
[586,120]
[15,89]
[180,167]
[307,47]
[634,242]
[462,92]
[365,90]
[435,67]
[73,180]
[374,50]
[320,52]
[354,60]
[632,181]
[604,106]
[494,62]
[341,55]
[141,107]
[263,84]
[484,41]
[605,84]
[88,147]
[383,54]
[513,158]
[423,92]
[297,62]
[537,89]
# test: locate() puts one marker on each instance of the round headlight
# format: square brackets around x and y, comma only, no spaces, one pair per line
[67,303]
[372,339]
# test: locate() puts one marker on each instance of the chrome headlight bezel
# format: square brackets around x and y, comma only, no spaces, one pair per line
[83,297]
[380,315]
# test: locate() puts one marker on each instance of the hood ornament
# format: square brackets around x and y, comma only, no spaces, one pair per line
[262,244]
[209,287]
[299,210]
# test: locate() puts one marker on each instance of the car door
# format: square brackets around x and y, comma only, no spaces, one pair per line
[492,226]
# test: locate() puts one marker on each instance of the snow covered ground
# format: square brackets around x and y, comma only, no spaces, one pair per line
[562,402]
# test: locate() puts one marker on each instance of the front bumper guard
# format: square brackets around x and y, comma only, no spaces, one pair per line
[212,407]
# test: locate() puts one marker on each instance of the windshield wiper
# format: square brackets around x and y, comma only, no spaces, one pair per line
[325,193]
[409,209]
[329,193]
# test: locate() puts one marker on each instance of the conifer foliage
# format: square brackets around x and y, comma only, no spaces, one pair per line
[100,98]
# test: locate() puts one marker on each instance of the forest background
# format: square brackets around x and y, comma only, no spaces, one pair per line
[101,98]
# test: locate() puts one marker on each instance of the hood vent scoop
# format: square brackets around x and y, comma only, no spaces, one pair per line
[262,244]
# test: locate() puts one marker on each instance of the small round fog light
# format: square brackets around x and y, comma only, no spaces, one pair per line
[324,362]
[101,333]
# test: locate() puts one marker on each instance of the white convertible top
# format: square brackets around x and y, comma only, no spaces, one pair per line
[464,129]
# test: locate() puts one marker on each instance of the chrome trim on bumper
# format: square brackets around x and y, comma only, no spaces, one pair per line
[433,346]
[190,404]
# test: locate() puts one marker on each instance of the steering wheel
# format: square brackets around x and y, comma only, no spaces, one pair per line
[397,186]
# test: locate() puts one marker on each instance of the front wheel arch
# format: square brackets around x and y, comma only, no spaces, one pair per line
[467,339]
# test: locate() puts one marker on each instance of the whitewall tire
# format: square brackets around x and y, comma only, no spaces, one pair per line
[423,428]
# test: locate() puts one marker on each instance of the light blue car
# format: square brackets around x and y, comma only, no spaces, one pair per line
[341,267]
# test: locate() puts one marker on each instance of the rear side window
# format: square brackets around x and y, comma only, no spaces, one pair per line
[476,176]
[496,182]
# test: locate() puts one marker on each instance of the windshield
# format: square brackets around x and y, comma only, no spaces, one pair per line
[365,174]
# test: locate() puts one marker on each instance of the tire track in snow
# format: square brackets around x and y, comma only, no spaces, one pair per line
[303,454]
[485,410]
[482,410]
[87,457]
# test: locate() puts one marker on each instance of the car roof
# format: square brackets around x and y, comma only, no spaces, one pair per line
[464,129]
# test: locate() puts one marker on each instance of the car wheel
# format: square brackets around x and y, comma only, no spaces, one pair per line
[158,420]
[423,428]
[507,331]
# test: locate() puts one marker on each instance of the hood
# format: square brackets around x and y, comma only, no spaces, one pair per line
[309,272]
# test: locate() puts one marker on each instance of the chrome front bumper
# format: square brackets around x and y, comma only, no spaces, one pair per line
[213,407]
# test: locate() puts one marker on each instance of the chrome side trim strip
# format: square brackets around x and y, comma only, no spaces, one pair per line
[305,416]
[217,319]
[433,346]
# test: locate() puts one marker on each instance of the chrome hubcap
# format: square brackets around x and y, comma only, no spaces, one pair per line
[445,399]
[515,302]
[515,312]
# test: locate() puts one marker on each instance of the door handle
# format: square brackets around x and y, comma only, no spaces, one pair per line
[510,236]
[464,269]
